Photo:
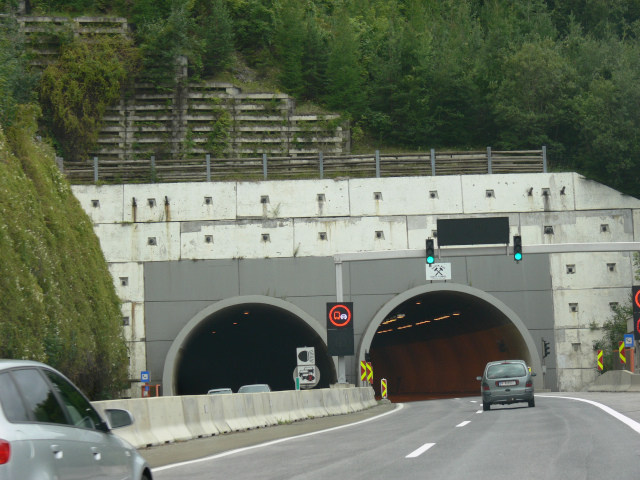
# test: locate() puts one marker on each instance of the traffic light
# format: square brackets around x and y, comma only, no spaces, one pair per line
[431,251]
[546,349]
[635,293]
[517,248]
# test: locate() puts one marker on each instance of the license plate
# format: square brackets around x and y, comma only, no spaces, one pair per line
[509,383]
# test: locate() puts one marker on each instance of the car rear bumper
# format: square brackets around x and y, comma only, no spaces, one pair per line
[507,397]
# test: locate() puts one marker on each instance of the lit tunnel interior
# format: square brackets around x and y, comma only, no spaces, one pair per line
[436,344]
[246,344]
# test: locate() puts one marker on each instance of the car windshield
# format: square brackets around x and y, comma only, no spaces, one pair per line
[506,370]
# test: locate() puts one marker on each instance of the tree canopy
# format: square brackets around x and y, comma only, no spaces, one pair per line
[419,74]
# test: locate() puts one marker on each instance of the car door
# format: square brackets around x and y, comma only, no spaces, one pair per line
[48,429]
[94,439]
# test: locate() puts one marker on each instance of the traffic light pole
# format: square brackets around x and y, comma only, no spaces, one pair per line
[544,364]
[342,371]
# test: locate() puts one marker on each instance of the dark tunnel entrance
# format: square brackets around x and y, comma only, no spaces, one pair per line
[245,344]
[435,344]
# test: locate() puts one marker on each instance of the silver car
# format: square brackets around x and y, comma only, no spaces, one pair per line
[49,430]
[255,388]
[506,382]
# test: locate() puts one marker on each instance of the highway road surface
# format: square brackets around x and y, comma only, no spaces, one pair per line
[560,438]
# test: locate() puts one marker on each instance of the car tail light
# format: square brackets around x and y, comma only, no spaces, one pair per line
[529,383]
[485,386]
[5,451]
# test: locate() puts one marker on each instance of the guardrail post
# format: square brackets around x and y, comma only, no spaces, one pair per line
[208,167]
[95,169]
[433,162]
[544,159]
[489,159]
[377,163]
[321,160]
[153,169]
[264,165]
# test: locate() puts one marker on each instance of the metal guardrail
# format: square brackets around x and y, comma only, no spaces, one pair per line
[154,170]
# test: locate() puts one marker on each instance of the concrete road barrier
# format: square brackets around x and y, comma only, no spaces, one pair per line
[169,419]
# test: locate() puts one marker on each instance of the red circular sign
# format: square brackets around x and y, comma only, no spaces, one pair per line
[340,315]
[637,299]
[638,326]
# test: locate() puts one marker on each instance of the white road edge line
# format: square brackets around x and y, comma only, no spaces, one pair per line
[479,411]
[624,419]
[420,451]
[399,407]
[466,422]
[474,401]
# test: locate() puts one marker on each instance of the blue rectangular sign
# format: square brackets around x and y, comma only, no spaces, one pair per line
[145,377]
[628,340]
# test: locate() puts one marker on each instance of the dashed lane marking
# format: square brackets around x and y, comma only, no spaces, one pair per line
[420,451]
[467,422]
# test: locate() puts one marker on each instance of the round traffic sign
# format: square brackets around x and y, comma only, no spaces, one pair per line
[340,315]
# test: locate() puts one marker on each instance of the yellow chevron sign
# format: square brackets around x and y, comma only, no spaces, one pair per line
[623,357]
[383,387]
[600,365]
[363,370]
[370,373]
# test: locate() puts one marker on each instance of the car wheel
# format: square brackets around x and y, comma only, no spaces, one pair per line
[486,406]
[532,402]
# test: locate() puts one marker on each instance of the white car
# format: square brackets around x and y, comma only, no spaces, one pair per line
[49,430]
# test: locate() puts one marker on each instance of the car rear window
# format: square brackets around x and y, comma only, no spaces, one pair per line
[506,370]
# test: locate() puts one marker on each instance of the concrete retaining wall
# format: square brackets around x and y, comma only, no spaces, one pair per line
[616,381]
[169,419]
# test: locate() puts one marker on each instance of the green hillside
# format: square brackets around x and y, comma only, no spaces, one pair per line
[415,74]
[57,300]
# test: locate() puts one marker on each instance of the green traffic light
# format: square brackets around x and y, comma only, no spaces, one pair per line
[518,256]
[430,259]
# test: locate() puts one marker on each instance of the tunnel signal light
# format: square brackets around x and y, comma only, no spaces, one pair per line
[517,248]
[431,252]
[546,348]
[635,292]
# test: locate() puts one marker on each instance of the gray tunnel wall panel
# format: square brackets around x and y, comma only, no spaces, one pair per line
[176,291]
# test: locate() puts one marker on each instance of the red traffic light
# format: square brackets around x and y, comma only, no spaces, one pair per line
[635,294]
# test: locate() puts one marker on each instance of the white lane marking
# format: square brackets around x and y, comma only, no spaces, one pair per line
[624,419]
[479,411]
[399,407]
[474,401]
[467,422]
[420,451]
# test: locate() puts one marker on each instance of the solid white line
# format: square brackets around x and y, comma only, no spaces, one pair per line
[420,451]
[474,401]
[399,407]
[479,411]
[624,419]
[467,422]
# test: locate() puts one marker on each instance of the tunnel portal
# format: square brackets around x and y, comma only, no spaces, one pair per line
[435,344]
[244,344]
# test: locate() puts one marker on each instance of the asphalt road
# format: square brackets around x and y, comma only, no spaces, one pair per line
[561,438]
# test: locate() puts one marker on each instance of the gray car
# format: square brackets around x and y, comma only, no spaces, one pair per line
[255,388]
[49,430]
[506,382]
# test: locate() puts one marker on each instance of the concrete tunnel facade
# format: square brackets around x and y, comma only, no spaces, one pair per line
[215,241]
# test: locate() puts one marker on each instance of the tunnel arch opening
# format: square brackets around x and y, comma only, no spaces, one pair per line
[244,340]
[434,340]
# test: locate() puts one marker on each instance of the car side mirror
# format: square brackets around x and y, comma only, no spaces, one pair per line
[533,374]
[479,378]
[119,418]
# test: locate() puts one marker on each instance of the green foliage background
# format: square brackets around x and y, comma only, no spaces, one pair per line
[58,304]
[417,74]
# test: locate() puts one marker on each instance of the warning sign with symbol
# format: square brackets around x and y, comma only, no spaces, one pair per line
[309,376]
[306,356]
[340,340]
